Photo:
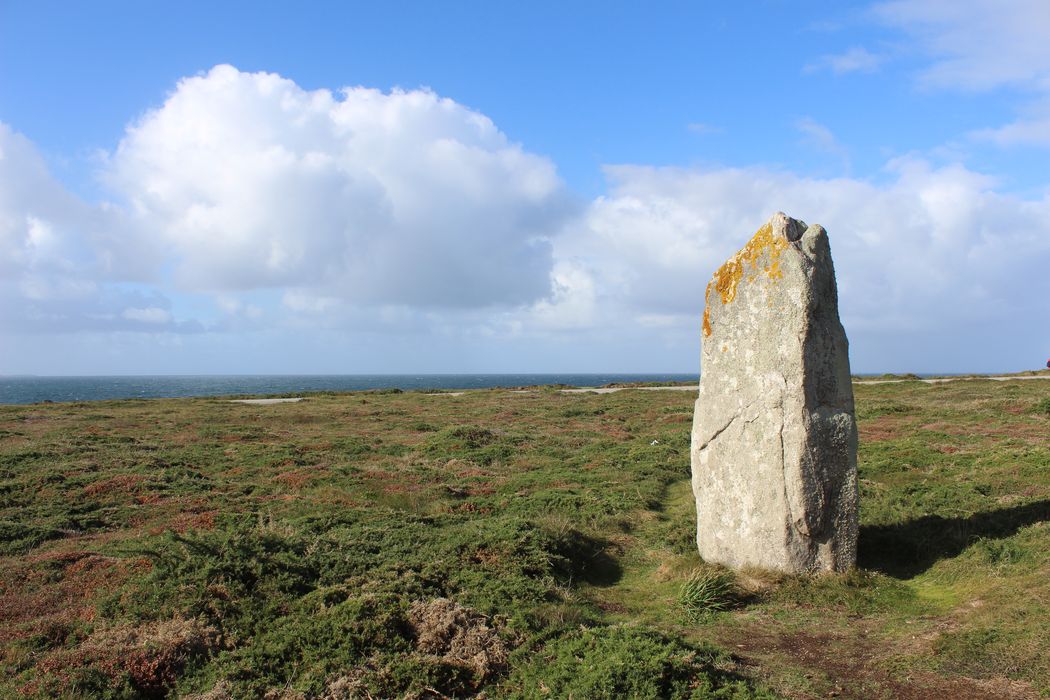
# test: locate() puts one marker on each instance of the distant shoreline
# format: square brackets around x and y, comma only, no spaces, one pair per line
[27,390]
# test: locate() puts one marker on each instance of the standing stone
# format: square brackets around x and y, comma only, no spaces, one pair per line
[774,442]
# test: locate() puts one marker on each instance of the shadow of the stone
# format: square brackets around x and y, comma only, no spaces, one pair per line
[907,549]
[586,559]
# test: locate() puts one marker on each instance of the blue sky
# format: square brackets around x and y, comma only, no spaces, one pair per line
[510,187]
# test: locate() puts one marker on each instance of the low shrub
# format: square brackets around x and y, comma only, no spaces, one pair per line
[624,662]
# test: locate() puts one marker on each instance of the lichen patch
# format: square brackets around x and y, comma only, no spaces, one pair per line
[747,260]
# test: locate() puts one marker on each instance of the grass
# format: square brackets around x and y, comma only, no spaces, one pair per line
[706,591]
[532,544]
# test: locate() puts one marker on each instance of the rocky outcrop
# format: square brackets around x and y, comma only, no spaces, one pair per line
[774,441]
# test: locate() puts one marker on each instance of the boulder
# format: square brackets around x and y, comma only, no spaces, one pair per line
[774,440]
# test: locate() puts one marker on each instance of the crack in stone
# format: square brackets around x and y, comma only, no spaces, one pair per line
[719,432]
[783,462]
[726,426]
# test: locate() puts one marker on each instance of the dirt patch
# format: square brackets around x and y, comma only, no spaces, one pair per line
[851,667]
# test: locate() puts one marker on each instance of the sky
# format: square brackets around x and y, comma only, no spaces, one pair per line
[410,187]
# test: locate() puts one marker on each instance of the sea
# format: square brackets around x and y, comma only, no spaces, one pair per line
[26,390]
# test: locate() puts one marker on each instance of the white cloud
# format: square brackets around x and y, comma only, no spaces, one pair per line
[1033,129]
[407,214]
[820,137]
[35,211]
[572,306]
[980,45]
[932,265]
[977,44]
[856,59]
[60,256]
[370,197]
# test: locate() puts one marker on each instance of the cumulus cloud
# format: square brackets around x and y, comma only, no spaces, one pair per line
[406,213]
[924,262]
[36,213]
[358,209]
[59,270]
[362,196]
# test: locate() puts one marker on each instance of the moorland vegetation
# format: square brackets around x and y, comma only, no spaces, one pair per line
[507,544]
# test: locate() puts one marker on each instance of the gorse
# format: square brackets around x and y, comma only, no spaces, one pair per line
[507,544]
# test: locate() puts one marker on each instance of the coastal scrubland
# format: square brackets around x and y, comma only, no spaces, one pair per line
[533,544]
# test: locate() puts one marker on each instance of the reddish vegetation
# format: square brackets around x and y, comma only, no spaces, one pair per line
[297,478]
[467,470]
[48,596]
[185,522]
[124,483]
[469,507]
[615,431]
[882,428]
[51,593]
[990,430]
[151,656]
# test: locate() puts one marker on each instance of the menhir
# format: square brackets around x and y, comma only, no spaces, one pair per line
[774,441]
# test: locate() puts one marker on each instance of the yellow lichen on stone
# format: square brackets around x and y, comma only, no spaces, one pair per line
[727,278]
[707,310]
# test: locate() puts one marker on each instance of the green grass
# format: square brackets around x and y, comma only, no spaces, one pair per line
[706,591]
[513,544]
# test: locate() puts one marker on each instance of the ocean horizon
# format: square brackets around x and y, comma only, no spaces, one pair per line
[37,389]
